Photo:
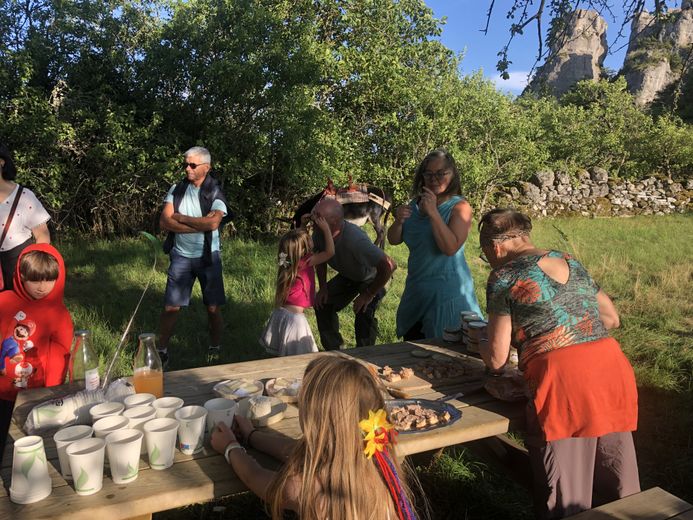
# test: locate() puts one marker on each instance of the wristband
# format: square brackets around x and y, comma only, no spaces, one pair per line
[233,445]
[247,439]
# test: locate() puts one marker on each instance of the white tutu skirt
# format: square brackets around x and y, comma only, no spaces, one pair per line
[288,333]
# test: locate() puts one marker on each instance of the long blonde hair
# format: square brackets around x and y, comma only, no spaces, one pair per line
[293,246]
[337,480]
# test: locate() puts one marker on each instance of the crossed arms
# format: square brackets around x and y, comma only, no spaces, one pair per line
[179,223]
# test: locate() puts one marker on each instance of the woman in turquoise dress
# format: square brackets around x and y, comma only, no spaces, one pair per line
[434,225]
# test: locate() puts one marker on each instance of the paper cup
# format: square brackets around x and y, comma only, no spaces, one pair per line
[107,425]
[191,431]
[138,416]
[123,448]
[105,410]
[160,437]
[86,464]
[220,409]
[63,438]
[138,400]
[30,480]
[167,406]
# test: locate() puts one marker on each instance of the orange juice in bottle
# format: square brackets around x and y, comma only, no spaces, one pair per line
[148,374]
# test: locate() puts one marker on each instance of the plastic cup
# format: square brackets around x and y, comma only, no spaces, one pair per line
[138,416]
[191,431]
[219,410]
[102,410]
[86,464]
[138,400]
[160,437]
[166,406]
[30,480]
[123,448]
[63,438]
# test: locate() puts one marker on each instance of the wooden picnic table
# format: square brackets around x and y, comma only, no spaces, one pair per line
[206,476]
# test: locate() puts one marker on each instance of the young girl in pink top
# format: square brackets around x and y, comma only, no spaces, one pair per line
[287,332]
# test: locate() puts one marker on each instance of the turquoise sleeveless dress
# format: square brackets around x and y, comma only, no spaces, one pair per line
[438,286]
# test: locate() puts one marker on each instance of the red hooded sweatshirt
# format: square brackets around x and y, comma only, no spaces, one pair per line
[35,334]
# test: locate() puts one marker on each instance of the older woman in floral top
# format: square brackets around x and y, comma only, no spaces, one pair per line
[583,404]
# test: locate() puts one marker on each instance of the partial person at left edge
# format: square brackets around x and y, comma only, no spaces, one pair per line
[23,219]
[192,215]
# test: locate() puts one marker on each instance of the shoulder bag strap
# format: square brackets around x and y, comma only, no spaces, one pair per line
[8,222]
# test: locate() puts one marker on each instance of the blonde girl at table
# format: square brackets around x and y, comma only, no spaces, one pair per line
[287,331]
[343,467]
[583,401]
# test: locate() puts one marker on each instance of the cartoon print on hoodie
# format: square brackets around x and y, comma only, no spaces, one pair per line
[14,346]
[36,334]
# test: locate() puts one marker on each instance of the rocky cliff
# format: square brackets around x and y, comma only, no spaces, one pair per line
[577,56]
[658,51]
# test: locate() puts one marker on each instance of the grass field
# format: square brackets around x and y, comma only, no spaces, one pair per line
[644,263]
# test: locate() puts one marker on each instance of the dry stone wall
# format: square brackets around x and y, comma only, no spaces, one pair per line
[593,193]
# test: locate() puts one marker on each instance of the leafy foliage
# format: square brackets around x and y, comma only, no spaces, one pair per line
[101,98]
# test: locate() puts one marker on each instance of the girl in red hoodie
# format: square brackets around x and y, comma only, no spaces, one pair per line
[35,329]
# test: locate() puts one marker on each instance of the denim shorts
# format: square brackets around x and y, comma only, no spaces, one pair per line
[181,277]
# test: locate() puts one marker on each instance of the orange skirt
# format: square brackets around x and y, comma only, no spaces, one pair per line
[584,390]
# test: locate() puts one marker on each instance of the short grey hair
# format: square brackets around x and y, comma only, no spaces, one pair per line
[201,152]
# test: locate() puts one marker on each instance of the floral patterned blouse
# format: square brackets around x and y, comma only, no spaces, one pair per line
[546,314]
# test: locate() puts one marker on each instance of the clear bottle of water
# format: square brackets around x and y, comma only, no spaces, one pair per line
[84,363]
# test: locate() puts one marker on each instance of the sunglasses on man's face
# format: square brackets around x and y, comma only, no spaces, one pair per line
[192,165]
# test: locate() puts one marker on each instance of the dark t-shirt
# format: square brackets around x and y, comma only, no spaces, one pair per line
[355,256]
[546,314]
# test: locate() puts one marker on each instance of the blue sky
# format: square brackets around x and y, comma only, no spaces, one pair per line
[462,33]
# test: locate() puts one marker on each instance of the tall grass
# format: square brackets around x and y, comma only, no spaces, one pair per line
[644,263]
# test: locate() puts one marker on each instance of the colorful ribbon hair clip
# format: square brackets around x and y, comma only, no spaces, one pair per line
[378,432]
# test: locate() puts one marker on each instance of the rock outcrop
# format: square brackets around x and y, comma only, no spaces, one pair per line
[578,56]
[658,49]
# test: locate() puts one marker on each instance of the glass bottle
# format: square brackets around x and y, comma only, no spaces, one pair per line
[84,363]
[148,373]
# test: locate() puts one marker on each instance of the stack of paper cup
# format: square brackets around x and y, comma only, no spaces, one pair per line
[191,431]
[30,480]
[160,437]
[137,418]
[86,463]
[138,400]
[63,438]
[102,410]
[123,448]
[167,406]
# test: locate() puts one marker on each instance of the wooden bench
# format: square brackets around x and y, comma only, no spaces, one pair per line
[653,504]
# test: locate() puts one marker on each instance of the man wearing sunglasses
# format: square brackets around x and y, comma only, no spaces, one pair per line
[193,211]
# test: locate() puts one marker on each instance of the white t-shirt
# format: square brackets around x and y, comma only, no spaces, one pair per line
[29,214]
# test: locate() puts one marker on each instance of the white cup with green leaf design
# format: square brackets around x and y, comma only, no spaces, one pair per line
[66,436]
[86,464]
[30,480]
[123,448]
[160,436]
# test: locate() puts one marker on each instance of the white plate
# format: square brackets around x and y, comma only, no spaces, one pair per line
[287,398]
[226,389]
